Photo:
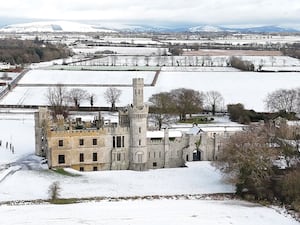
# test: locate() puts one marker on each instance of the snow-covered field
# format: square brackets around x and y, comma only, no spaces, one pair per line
[175,212]
[197,178]
[248,88]
[221,60]
[240,40]
[85,77]
[18,130]
[120,50]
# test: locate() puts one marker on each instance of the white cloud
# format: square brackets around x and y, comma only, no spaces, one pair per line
[196,11]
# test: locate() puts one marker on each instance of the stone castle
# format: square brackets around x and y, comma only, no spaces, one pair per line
[101,145]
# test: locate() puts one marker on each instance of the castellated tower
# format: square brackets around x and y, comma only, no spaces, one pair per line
[138,113]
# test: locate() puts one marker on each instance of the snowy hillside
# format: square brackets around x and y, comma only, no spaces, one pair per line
[66,26]
[243,29]
[205,28]
[53,26]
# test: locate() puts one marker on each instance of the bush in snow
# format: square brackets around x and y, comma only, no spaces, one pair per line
[54,191]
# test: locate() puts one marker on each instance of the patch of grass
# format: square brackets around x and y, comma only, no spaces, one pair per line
[198,120]
[64,201]
[65,173]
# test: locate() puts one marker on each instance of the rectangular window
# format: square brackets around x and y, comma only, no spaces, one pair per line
[81,157]
[154,164]
[154,155]
[159,154]
[119,142]
[140,142]
[61,159]
[81,169]
[119,157]
[81,142]
[95,168]
[95,156]
[123,141]
[140,130]
[60,143]
[114,141]
[95,141]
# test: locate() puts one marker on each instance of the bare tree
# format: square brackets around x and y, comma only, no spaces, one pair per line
[135,60]
[214,100]
[241,64]
[161,108]
[287,100]
[147,59]
[57,99]
[187,101]
[54,191]
[246,158]
[92,99]
[77,95]
[112,96]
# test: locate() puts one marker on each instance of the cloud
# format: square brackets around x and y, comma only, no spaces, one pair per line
[195,11]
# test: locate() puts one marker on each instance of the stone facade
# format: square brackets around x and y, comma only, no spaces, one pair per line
[96,145]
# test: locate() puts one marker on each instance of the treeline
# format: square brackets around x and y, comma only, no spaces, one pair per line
[241,64]
[292,50]
[263,165]
[237,113]
[19,52]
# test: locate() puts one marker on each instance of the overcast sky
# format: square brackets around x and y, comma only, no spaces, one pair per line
[152,11]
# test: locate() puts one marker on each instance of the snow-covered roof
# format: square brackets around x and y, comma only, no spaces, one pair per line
[194,130]
[293,122]
[218,129]
[160,134]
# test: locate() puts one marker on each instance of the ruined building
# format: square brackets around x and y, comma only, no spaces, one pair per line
[102,145]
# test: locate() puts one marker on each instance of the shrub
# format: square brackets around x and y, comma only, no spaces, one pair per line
[54,191]
[290,189]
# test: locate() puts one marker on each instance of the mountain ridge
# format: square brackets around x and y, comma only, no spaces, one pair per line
[68,26]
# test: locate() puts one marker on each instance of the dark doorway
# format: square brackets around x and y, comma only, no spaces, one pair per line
[196,155]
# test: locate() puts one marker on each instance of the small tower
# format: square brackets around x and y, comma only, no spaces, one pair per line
[41,126]
[138,113]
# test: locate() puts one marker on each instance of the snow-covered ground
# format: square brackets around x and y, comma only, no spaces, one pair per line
[120,50]
[17,131]
[127,57]
[241,39]
[197,178]
[85,77]
[248,88]
[175,212]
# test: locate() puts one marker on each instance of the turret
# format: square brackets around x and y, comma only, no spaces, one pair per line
[138,92]
[138,113]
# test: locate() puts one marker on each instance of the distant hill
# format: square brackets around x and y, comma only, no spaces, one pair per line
[67,26]
[258,29]
[53,26]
